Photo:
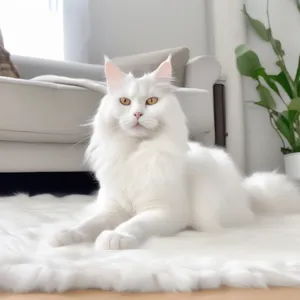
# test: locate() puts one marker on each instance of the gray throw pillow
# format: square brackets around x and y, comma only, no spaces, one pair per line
[138,64]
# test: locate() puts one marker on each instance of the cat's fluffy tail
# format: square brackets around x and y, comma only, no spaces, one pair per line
[272,193]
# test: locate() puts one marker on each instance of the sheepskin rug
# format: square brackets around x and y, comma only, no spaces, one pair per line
[266,253]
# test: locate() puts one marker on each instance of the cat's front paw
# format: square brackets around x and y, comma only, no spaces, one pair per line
[112,240]
[66,237]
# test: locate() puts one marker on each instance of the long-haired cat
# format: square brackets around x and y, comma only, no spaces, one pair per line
[153,181]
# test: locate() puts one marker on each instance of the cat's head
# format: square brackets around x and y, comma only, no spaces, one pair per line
[141,107]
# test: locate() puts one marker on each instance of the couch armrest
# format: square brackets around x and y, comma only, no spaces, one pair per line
[198,108]
[30,67]
[202,72]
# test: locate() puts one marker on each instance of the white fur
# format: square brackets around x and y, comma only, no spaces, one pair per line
[155,183]
[218,198]
[272,193]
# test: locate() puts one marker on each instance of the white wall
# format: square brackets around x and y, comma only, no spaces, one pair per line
[123,27]
[226,30]
[262,143]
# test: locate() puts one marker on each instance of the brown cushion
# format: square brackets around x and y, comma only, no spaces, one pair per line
[1,39]
[7,68]
[139,64]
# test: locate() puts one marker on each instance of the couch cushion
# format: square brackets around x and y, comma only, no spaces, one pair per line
[45,112]
[139,64]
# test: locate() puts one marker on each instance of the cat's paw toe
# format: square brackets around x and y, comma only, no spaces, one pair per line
[112,240]
[65,237]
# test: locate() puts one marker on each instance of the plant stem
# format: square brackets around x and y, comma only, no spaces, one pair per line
[282,100]
[271,118]
[278,94]
[279,56]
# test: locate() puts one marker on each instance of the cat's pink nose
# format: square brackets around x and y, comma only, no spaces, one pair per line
[138,115]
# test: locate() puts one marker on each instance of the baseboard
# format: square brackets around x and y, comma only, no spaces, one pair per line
[57,183]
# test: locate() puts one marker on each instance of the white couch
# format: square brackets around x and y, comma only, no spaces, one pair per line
[41,123]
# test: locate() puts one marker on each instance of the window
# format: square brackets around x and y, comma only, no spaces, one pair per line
[33,27]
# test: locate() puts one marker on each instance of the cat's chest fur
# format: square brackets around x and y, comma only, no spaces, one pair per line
[123,160]
[131,168]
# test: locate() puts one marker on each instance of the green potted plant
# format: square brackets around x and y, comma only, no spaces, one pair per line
[272,88]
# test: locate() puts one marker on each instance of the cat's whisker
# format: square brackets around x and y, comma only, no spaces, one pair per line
[125,123]
[90,124]
[151,124]
[87,133]
[81,141]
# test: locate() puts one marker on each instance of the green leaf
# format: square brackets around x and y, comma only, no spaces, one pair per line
[278,47]
[258,26]
[283,125]
[283,81]
[298,71]
[292,116]
[285,114]
[280,64]
[296,148]
[268,79]
[298,4]
[247,61]
[295,104]
[266,98]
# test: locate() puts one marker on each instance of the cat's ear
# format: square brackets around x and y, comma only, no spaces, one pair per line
[114,75]
[164,70]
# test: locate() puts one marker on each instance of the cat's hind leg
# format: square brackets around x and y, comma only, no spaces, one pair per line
[214,208]
[206,209]
[217,197]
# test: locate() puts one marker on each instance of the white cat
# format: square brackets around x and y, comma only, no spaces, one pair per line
[153,182]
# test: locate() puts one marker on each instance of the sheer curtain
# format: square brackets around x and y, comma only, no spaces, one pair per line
[77,31]
[53,29]
[33,27]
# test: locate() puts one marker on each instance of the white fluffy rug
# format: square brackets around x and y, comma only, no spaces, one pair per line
[266,253]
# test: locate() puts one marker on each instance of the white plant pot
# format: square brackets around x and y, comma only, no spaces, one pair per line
[292,165]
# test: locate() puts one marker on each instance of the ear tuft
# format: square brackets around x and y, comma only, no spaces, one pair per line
[106,59]
[169,58]
[114,75]
[164,70]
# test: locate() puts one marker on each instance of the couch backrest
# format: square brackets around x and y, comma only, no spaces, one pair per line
[138,64]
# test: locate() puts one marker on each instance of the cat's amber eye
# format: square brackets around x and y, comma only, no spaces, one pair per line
[125,101]
[152,100]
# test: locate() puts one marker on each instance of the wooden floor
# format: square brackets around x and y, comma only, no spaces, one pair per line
[224,294]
